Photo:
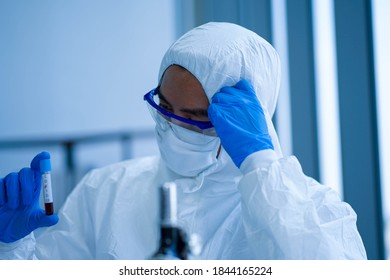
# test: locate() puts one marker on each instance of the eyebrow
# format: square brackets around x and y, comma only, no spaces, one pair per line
[162,96]
[199,112]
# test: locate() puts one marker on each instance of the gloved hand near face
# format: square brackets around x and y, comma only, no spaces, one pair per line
[239,120]
[20,213]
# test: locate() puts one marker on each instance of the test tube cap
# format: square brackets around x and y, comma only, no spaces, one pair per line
[45,165]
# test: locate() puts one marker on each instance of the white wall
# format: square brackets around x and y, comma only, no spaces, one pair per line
[78,67]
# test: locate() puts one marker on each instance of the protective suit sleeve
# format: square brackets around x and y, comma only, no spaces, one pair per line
[71,238]
[260,159]
[23,249]
[288,215]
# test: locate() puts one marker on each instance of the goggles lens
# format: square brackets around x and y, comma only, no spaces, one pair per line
[153,101]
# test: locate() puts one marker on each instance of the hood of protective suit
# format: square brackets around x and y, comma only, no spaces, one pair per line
[220,54]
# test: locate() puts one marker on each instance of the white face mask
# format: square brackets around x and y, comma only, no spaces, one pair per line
[185,152]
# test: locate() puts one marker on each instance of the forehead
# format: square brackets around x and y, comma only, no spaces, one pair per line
[178,85]
[179,76]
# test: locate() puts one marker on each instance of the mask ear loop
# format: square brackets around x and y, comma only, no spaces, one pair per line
[219,150]
[193,184]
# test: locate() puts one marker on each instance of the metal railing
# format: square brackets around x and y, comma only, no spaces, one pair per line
[125,138]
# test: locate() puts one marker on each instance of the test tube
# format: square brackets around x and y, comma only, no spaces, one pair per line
[45,167]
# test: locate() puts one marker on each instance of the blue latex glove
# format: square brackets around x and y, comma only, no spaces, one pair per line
[20,213]
[239,121]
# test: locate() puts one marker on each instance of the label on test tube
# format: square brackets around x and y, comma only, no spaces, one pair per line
[45,168]
[46,185]
[47,193]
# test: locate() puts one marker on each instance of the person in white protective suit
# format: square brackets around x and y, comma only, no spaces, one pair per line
[217,91]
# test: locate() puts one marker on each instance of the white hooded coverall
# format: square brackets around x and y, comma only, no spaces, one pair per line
[267,209]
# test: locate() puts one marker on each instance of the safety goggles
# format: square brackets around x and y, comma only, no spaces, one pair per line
[153,101]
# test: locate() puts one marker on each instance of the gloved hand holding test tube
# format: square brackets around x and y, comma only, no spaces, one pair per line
[20,212]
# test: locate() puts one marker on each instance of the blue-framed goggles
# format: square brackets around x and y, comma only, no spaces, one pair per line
[153,100]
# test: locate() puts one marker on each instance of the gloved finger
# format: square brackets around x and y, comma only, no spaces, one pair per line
[2,192]
[43,220]
[12,189]
[242,89]
[35,163]
[245,86]
[216,113]
[26,180]
[231,91]
[226,97]
[211,111]
[242,85]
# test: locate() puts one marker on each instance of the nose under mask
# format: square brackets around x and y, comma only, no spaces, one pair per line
[185,152]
